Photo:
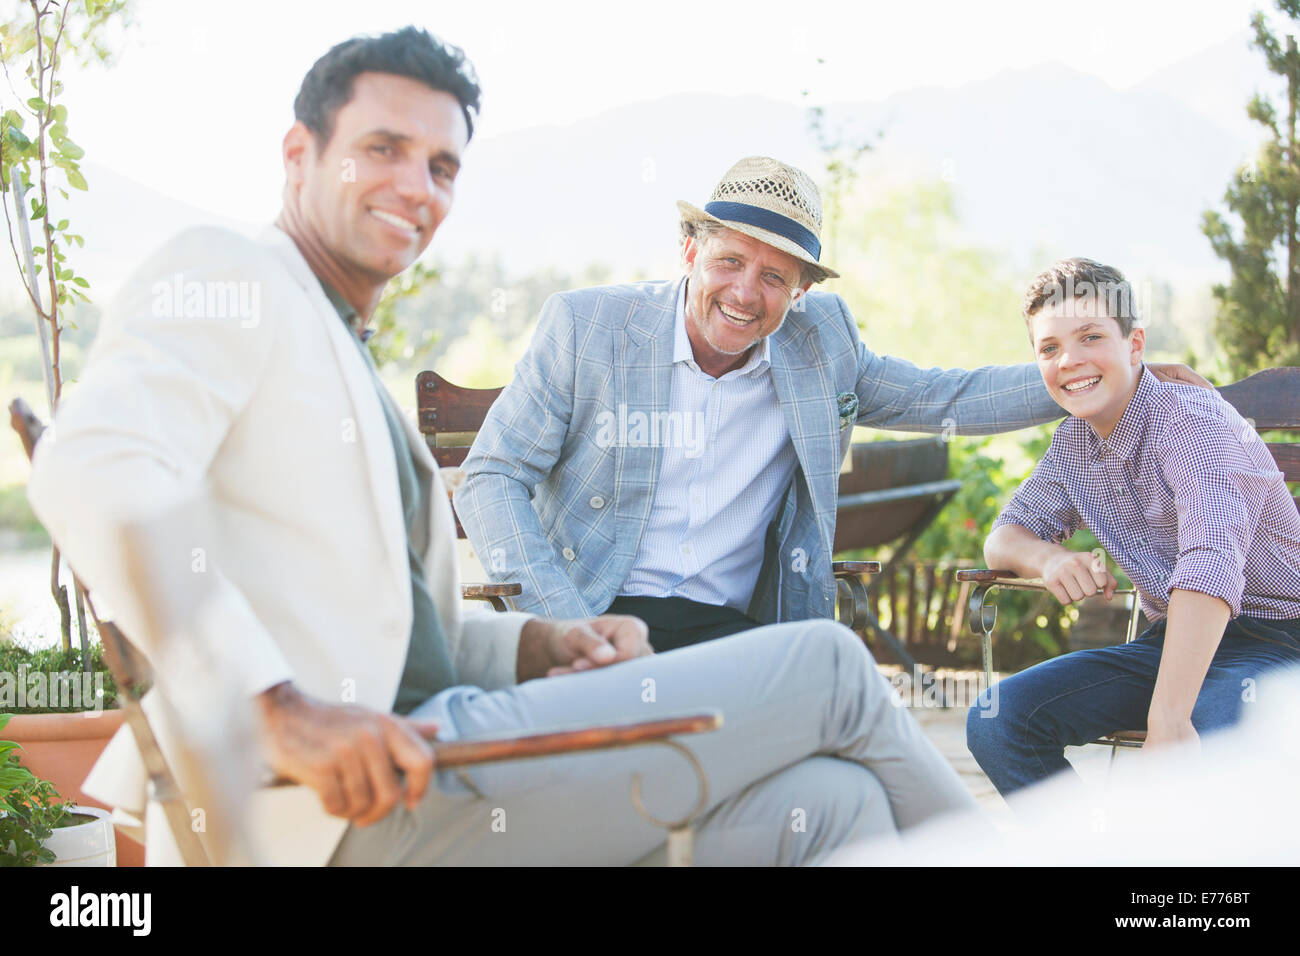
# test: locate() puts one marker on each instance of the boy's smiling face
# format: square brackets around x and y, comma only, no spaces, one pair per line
[1089,366]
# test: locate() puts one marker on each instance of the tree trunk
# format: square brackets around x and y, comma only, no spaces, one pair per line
[1292,291]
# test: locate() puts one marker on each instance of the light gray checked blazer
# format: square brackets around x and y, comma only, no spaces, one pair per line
[546,504]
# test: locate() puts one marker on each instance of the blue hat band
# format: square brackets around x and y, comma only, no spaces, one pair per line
[783,226]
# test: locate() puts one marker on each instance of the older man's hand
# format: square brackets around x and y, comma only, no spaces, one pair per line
[1175,372]
[550,648]
[349,755]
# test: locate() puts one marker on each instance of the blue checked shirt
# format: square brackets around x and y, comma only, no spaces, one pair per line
[1184,494]
[720,482]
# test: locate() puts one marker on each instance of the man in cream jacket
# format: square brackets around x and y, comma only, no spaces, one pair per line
[234,371]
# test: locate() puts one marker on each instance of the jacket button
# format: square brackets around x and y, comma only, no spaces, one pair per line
[568,554]
[597,502]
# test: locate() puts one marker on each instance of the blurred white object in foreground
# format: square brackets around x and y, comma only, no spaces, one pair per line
[1231,803]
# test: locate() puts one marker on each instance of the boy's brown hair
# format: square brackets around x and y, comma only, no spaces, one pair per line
[1078,278]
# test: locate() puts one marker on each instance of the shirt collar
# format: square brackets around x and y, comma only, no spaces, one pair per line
[1127,434]
[759,358]
[348,314]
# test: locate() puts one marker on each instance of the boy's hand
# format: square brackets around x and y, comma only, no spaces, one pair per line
[1074,575]
[1171,733]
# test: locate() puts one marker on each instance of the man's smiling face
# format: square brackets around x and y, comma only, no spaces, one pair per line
[739,290]
[373,197]
[1089,366]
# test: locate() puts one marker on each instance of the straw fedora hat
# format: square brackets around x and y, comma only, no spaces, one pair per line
[771,202]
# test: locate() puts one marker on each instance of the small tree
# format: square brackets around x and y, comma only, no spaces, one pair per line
[34,39]
[1258,312]
[841,158]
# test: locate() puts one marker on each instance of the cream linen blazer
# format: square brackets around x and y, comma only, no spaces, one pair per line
[221,372]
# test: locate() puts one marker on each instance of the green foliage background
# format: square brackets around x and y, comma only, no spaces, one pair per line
[1258,315]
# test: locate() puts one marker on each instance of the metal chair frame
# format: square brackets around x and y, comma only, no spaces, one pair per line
[984,616]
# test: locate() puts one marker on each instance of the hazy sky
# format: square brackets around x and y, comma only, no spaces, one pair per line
[201,95]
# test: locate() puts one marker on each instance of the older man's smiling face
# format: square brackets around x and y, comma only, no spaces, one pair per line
[738,292]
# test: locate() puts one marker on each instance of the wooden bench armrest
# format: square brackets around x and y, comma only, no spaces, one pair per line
[853,569]
[464,753]
[494,594]
[983,611]
[1129,736]
[24,421]
[1009,579]
[485,592]
[1006,579]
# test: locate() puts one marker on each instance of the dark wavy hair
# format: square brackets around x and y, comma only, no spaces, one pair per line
[406,52]
[1080,278]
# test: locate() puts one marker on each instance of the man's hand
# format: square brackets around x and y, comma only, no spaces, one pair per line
[1174,372]
[1074,575]
[349,755]
[551,648]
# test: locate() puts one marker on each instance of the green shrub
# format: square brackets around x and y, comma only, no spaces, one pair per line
[63,688]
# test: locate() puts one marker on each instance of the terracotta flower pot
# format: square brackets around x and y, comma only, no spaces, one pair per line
[61,748]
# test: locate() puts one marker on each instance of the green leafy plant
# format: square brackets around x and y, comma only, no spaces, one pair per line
[36,152]
[391,341]
[66,683]
[30,809]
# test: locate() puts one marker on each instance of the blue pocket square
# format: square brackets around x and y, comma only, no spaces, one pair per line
[847,403]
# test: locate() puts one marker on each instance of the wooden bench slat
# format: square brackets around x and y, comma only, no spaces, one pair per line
[444,407]
[1267,398]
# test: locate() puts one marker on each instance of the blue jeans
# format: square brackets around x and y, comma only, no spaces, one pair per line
[1018,728]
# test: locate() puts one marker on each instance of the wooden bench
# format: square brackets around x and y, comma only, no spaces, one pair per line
[1270,400]
[450,416]
[890,493]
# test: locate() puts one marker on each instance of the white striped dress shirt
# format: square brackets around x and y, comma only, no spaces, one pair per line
[726,468]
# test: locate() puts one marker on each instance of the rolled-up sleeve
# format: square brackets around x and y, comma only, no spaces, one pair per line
[1220,494]
[1041,506]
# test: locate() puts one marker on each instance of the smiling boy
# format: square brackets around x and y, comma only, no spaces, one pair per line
[1184,496]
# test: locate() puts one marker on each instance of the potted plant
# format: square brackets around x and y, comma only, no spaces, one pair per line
[63,718]
[37,828]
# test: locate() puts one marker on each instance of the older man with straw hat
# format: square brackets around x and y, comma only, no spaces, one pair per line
[670,449]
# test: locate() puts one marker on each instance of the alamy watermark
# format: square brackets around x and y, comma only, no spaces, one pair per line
[70,690]
[638,429]
[208,299]
[1082,297]
[917,689]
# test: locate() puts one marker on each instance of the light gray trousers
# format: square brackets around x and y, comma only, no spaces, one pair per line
[815,752]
